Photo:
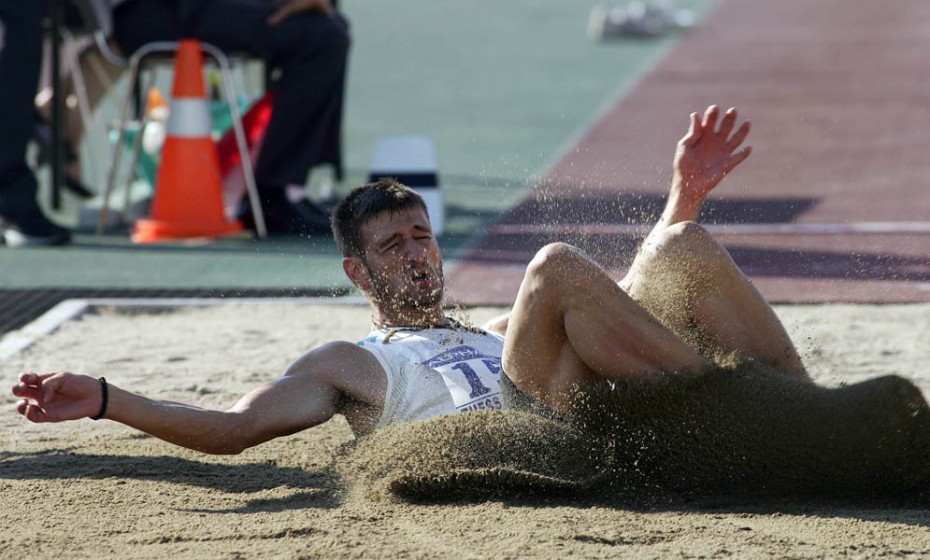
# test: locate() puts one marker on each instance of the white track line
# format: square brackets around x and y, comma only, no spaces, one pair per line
[19,340]
[866,228]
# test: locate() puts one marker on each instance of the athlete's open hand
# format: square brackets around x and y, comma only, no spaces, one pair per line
[58,396]
[706,154]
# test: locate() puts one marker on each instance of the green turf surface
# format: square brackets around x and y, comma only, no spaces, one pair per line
[500,88]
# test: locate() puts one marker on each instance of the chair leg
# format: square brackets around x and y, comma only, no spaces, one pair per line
[92,127]
[229,94]
[117,149]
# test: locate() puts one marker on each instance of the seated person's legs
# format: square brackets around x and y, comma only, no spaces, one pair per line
[687,280]
[572,325]
[310,49]
[21,219]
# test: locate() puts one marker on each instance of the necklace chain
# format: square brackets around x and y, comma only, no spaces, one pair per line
[382,326]
[449,323]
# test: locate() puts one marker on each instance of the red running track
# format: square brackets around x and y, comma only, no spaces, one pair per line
[832,206]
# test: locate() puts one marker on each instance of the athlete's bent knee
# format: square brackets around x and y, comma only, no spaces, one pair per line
[556,259]
[689,240]
[688,234]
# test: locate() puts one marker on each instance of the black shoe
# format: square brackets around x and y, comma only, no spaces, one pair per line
[32,231]
[22,223]
[284,217]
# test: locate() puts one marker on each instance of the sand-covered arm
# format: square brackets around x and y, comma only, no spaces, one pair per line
[338,378]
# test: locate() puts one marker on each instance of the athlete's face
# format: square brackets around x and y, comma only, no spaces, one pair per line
[402,263]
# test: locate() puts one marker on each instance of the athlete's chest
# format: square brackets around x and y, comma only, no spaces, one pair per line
[469,364]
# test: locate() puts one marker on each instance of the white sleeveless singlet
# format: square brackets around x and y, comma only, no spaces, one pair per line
[432,372]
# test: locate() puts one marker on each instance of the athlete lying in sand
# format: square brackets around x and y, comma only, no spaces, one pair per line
[570,325]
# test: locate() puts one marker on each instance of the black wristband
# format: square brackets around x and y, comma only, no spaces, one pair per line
[106,399]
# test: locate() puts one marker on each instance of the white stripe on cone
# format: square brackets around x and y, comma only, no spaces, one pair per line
[189,118]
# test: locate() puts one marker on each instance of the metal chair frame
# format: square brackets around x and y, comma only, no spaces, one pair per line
[97,18]
[227,87]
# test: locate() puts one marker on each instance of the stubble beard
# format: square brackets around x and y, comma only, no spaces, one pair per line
[408,300]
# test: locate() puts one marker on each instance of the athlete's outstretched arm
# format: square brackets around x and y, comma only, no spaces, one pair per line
[703,157]
[335,378]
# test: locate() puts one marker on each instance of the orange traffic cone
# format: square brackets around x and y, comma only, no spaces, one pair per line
[188,199]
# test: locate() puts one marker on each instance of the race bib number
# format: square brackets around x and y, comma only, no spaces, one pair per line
[473,378]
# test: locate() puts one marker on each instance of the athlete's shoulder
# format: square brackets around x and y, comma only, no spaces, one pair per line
[339,360]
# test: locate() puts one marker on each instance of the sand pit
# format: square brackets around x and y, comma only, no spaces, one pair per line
[87,489]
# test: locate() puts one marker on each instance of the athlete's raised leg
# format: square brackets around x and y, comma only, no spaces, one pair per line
[688,281]
[572,324]
[685,278]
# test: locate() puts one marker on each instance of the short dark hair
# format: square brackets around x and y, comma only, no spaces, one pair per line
[364,203]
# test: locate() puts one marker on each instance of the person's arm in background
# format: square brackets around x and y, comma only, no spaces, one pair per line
[291,7]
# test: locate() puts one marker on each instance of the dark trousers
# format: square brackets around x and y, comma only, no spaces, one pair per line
[20,62]
[310,49]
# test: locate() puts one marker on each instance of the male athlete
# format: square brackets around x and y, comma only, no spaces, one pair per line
[570,325]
